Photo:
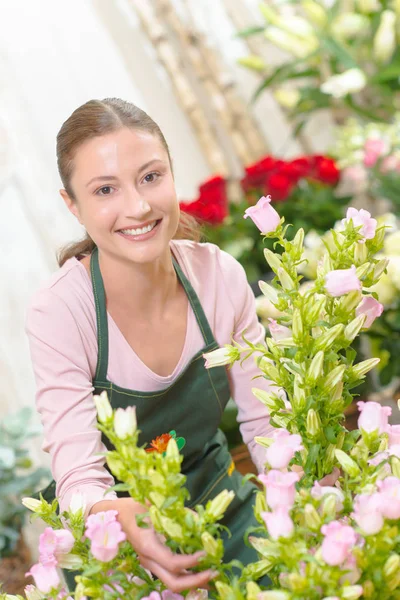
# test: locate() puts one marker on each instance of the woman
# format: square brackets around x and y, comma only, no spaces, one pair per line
[132,310]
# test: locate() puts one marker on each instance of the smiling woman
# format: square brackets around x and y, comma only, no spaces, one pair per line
[131,311]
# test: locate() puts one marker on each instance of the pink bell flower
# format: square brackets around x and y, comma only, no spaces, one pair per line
[319,491]
[105,536]
[55,543]
[342,281]
[280,488]
[278,332]
[263,215]
[394,435]
[338,541]
[362,218]
[374,148]
[278,523]
[281,452]
[373,417]
[367,513]
[389,494]
[371,308]
[45,576]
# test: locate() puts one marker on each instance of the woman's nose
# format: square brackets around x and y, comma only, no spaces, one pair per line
[136,204]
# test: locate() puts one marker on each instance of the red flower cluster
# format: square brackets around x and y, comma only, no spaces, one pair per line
[212,204]
[279,177]
[266,176]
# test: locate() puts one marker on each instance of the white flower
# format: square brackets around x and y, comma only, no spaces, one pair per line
[78,502]
[125,422]
[350,25]
[349,82]
[294,45]
[221,357]
[385,37]
[103,406]
[31,503]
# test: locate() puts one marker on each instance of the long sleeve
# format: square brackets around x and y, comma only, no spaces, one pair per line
[64,399]
[253,416]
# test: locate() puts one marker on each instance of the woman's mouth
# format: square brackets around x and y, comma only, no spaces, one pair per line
[140,233]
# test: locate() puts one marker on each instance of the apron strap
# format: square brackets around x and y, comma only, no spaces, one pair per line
[101,313]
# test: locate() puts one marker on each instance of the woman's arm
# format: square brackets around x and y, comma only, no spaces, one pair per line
[61,345]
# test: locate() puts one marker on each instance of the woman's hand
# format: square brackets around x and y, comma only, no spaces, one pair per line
[152,553]
[328,480]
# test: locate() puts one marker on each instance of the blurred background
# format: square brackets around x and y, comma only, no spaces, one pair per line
[294,99]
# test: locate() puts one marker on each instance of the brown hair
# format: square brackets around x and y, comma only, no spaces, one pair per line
[93,119]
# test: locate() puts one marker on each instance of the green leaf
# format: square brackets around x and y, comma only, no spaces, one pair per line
[250,31]
[330,434]
[313,453]
[338,51]
[169,502]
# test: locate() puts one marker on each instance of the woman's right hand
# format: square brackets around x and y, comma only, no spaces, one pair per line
[170,568]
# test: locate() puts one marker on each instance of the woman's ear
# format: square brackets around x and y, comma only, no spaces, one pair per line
[71,205]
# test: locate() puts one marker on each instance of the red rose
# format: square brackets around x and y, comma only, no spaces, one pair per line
[256,174]
[302,166]
[325,170]
[212,204]
[279,186]
[214,191]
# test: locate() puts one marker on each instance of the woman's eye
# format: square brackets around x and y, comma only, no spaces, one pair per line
[150,177]
[105,187]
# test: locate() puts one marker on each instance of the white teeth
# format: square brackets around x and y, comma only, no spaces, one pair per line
[140,231]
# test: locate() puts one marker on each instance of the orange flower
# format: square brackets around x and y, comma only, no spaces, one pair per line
[160,443]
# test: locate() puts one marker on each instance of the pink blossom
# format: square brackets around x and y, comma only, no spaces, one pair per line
[45,576]
[374,148]
[278,332]
[373,417]
[367,513]
[342,281]
[280,488]
[279,523]
[101,518]
[55,543]
[353,572]
[394,434]
[389,493]
[263,215]
[390,163]
[105,537]
[338,541]
[281,452]
[371,308]
[319,491]
[197,595]
[153,596]
[378,458]
[361,218]
[394,450]
[168,595]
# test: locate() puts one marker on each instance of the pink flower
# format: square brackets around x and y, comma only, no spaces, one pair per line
[358,177]
[371,308]
[389,493]
[105,537]
[278,332]
[353,572]
[281,452]
[373,417]
[367,513]
[361,218]
[394,450]
[390,163]
[394,434]
[45,576]
[197,595]
[319,491]
[342,281]
[153,596]
[338,541]
[280,488]
[55,543]
[374,148]
[263,215]
[279,523]
[101,518]
[378,458]
[168,595]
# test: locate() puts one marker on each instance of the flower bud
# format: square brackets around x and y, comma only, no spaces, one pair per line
[31,593]
[360,253]
[172,452]
[299,395]
[254,62]
[221,356]
[274,595]
[77,503]
[337,392]
[315,370]
[354,327]
[351,301]
[351,592]
[391,566]
[260,507]
[103,407]
[326,340]
[296,582]
[116,465]
[257,570]
[269,400]
[171,528]
[347,463]
[274,260]
[368,588]
[362,368]
[125,422]
[315,12]
[384,43]
[285,279]
[155,517]
[314,311]
[32,504]
[380,268]
[363,270]
[313,424]
[395,465]
[334,377]
[212,546]
[270,371]
[312,518]
[263,546]
[69,561]
[329,507]
[298,240]
[297,324]
[218,505]
[252,590]
[269,292]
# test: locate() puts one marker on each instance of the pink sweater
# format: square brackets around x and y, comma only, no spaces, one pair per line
[61,326]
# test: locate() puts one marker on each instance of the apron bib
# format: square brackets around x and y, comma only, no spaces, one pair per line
[192,406]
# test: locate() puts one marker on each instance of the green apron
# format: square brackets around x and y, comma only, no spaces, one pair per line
[192,406]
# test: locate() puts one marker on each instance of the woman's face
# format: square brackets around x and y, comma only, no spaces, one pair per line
[125,194]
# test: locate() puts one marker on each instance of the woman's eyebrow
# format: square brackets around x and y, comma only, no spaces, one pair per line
[108,177]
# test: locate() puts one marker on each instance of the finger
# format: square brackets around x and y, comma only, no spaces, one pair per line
[162,555]
[179,583]
[331,479]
